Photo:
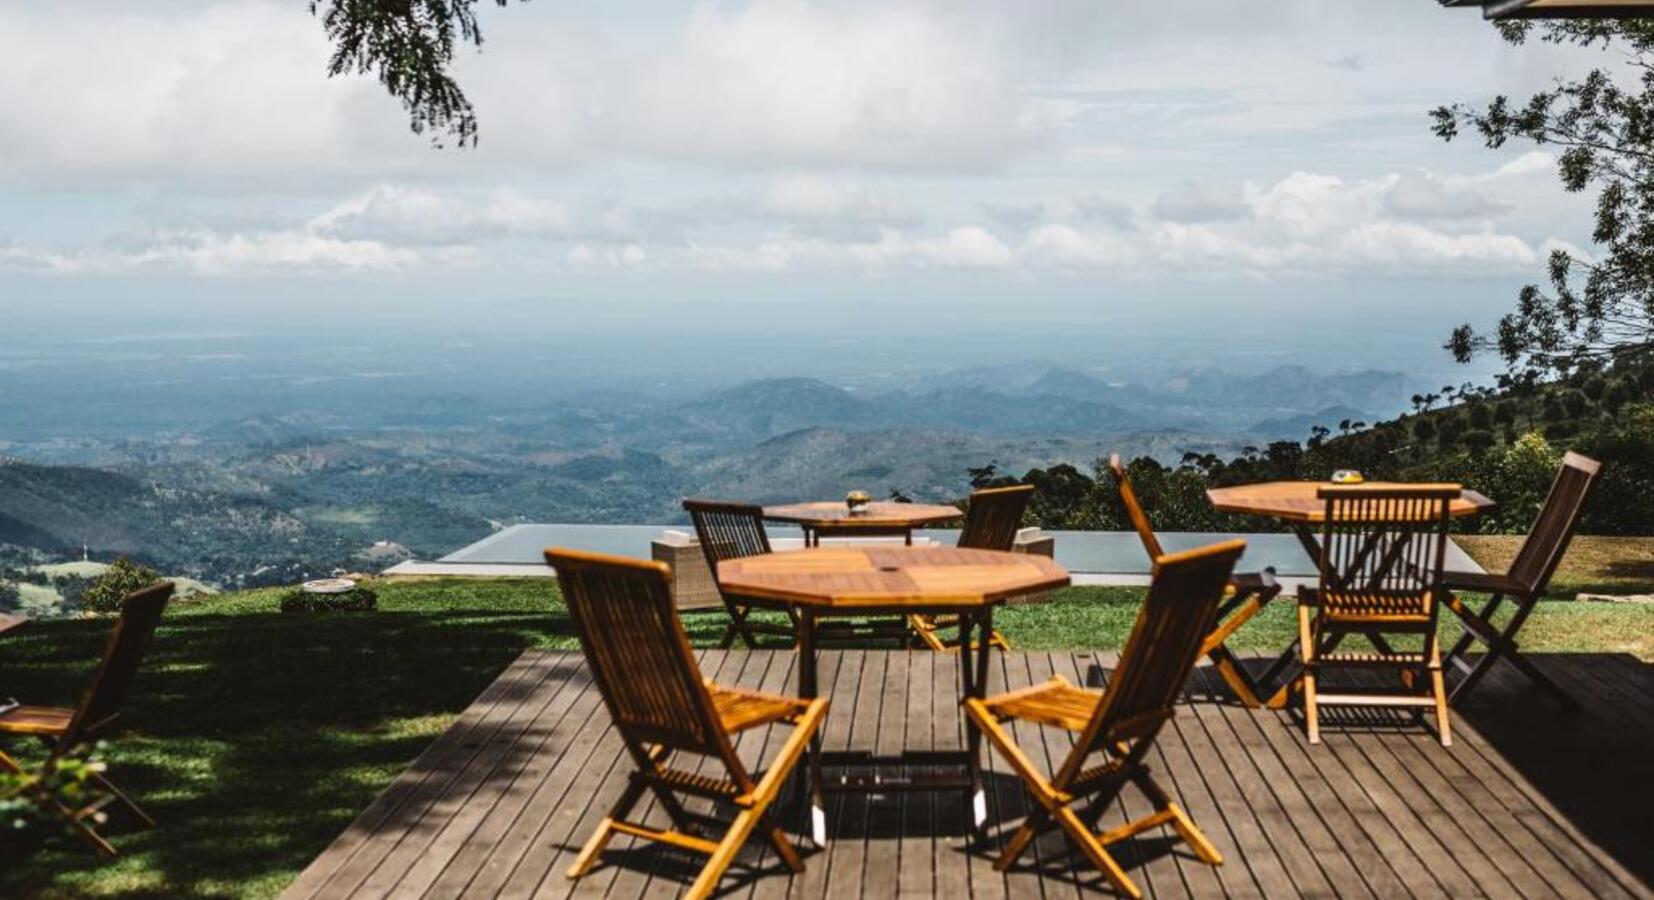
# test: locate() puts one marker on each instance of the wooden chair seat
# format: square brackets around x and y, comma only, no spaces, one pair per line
[1377,609]
[740,709]
[1056,703]
[1481,582]
[49,721]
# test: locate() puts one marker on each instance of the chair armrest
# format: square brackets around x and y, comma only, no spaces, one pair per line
[1482,582]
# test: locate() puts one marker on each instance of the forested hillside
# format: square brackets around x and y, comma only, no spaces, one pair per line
[1505,442]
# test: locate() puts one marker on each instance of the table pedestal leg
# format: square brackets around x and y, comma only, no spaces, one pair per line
[974,654]
[809,690]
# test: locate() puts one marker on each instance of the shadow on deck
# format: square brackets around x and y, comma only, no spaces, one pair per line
[1531,800]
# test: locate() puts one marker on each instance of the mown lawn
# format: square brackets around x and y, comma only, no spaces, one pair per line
[255,737]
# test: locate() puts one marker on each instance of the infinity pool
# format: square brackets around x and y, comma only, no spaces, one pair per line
[1081,552]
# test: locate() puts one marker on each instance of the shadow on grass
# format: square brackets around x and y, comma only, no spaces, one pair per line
[255,738]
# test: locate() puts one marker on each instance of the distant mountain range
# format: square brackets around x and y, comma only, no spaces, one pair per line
[269,496]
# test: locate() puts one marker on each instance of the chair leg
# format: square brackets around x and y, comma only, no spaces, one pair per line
[1306,643]
[925,630]
[1439,689]
[1186,828]
[1230,670]
[783,847]
[121,797]
[1097,853]
[739,829]
[1021,838]
[593,849]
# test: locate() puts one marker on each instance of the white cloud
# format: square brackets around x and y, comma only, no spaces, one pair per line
[811,198]
[237,89]
[784,81]
[623,257]
[1422,195]
[409,214]
[1201,202]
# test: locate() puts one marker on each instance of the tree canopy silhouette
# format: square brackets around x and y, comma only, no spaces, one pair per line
[1597,308]
[409,45]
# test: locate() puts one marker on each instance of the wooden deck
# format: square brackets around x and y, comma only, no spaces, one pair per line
[1531,801]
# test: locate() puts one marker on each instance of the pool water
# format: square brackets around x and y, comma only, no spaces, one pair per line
[1081,552]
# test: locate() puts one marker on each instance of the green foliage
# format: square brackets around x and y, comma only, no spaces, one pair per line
[357,599]
[24,824]
[105,593]
[409,44]
[1601,307]
[9,595]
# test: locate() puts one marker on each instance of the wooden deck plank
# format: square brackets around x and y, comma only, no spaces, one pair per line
[374,825]
[1236,788]
[915,853]
[1178,773]
[1529,808]
[1281,748]
[434,786]
[497,806]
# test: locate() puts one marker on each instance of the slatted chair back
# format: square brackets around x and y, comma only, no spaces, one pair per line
[1164,645]
[728,530]
[123,653]
[638,652]
[1134,509]
[1548,540]
[993,517]
[1383,549]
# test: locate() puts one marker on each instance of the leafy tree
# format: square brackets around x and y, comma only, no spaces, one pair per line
[1601,308]
[8,595]
[409,45]
[105,593]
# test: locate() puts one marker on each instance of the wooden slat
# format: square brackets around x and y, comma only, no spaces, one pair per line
[498,806]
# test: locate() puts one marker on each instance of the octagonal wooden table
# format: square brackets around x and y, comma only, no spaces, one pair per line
[823,582]
[832,518]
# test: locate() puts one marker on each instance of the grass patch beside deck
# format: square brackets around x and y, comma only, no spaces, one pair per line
[255,737]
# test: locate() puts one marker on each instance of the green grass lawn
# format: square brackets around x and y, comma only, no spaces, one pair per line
[255,737]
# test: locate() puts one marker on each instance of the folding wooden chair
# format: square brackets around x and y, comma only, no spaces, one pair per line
[1246,596]
[68,731]
[1383,549]
[991,523]
[1119,723]
[642,665]
[1522,584]
[735,531]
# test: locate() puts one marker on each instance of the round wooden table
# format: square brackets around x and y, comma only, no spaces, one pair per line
[859,581]
[833,518]
[1295,503]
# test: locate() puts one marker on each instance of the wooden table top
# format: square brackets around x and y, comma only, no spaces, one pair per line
[7,623]
[879,514]
[890,579]
[1295,501]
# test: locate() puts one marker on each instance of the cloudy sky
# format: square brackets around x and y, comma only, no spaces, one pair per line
[780,164]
